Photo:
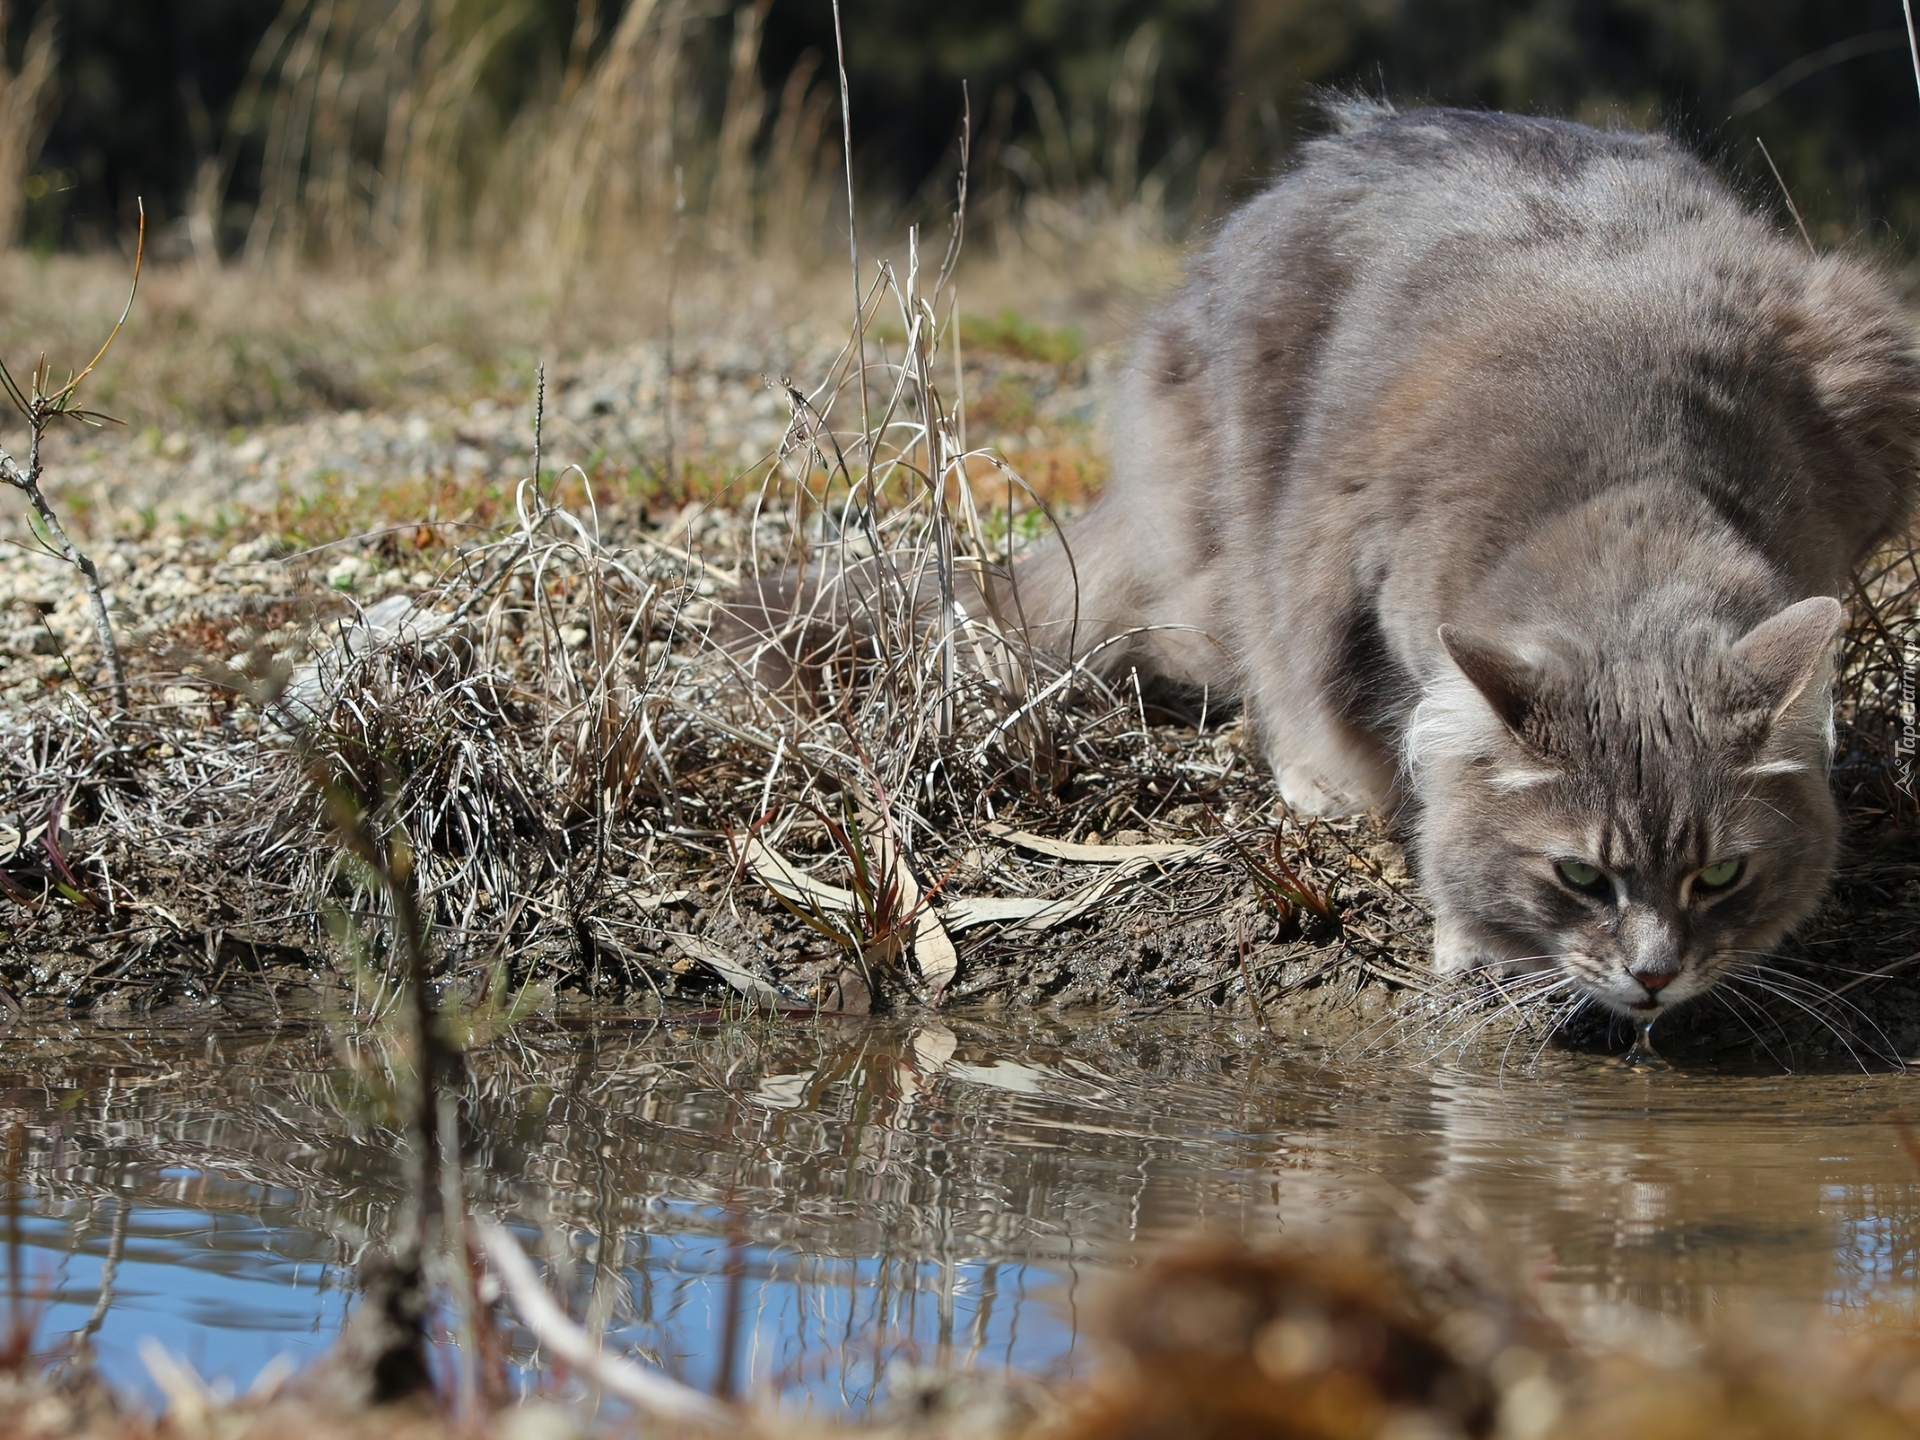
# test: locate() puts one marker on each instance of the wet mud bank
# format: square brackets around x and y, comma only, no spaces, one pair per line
[185,858]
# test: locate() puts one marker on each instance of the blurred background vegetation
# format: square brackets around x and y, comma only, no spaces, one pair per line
[464,186]
[349,130]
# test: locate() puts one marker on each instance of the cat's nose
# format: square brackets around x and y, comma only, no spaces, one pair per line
[1653,979]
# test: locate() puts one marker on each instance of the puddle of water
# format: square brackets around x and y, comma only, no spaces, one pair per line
[940,1193]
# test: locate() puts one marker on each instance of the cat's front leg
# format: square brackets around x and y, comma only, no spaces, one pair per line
[1325,766]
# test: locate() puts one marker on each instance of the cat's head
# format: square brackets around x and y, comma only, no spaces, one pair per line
[1640,819]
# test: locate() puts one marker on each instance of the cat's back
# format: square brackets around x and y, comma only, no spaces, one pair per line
[1469,316]
[1402,223]
[1398,190]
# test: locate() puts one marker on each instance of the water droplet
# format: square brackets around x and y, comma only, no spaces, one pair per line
[1643,1056]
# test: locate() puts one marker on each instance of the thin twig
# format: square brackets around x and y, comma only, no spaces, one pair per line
[40,407]
[670,473]
[853,240]
[655,1393]
[1787,195]
[1913,41]
[28,483]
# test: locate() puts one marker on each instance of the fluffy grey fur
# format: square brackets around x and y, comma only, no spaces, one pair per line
[1508,469]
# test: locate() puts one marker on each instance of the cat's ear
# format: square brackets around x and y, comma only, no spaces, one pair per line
[1788,652]
[1506,681]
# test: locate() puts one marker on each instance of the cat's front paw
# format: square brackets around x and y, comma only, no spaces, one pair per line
[1306,798]
[1454,949]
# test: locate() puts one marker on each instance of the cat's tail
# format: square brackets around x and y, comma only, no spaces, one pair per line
[788,630]
[818,631]
[1071,596]
[1091,599]
[1108,595]
[811,631]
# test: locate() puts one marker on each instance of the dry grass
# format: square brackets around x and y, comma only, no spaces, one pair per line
[572,745]
[234,347]
[217,354]
[381,144]
[27,97]
[379,141]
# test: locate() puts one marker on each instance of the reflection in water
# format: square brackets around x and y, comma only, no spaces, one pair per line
[937,1193]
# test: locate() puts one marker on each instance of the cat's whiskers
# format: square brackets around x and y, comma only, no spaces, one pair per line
[1514,780]
[1454,1014]
[1560,1022]
[1365,1037]
[1514,991]
[1781,991]
[1752,799]
[1840,1036]
[1821,964]
[1803,985]
[1548,1030]
[1520,1011]
[1495,970]
[1726,997]
[1516,1000]
[1774,767]
[1497,986]
[1509,991]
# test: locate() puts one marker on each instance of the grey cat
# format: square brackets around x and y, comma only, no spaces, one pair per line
[1509,469]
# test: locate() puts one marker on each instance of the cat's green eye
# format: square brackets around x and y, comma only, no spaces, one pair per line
[1582,876]
[1719,876]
